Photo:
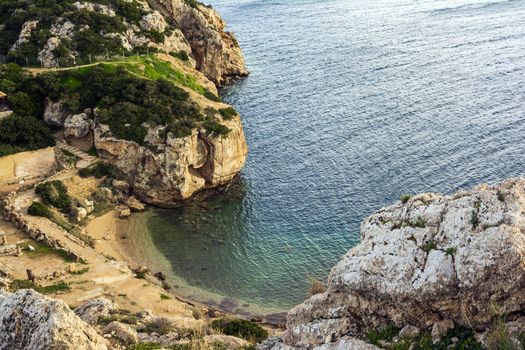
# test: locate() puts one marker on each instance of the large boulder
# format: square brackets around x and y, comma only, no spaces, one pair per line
[77,125]
[93,310]
[430,261]
[29,320]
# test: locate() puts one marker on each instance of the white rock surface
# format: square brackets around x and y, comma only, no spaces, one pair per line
[153,21]
[94,7]
[91,311]
[432,260]
[77,125]
[29,320]
[25,34]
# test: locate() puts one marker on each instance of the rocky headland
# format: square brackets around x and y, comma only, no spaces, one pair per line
[426,266]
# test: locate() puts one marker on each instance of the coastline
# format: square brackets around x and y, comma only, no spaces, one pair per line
[135,247]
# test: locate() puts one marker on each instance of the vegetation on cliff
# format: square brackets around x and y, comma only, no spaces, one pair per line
[124,100]
[88,37]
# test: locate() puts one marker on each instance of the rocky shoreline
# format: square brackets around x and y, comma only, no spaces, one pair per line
[429,263]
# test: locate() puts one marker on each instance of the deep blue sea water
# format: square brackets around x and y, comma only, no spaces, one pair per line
[350,104]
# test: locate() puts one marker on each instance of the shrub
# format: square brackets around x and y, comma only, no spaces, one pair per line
[450,251]
[23,133]
[214,127]
[54,193]
[211,96]
[317,287]
[164,296]
[22,104]
[429,245]
[499,339]
[420,222]
[155,36]
[240,328]
[474,219]
[404,198]
[40,209]
[99,170]
[181,55]
[228,113]
[159,325]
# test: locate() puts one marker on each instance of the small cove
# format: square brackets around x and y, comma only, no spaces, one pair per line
[349,105]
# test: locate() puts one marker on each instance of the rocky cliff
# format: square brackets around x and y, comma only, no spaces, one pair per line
[215,50]
[432,263]
[77,32]
[173,169]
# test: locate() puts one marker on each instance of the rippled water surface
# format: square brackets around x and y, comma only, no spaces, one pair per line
[350,104]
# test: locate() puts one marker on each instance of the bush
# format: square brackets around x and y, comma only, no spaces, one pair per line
[23,133]
[22,104]
[54,193]
[500,339]
[211,96]
[181,55]
[99,170]
[40,209]
[228,113]
[404,198]
[317,287]
[159,325]
[240,328]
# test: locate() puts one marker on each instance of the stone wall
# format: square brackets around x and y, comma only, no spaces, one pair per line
[27,165]
[18,221]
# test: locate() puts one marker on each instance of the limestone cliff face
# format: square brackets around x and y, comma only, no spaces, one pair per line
[173,169]
[29,320]
[432,259]
[215,50]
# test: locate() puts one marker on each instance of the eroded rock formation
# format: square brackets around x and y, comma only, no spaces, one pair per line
[432,259]
[176,168]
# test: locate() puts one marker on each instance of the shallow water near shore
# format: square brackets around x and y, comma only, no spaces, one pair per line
[349,105]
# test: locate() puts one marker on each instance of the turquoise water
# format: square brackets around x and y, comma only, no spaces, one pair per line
[349,105]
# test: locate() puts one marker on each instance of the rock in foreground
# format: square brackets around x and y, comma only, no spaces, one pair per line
[29,320]
[432,259]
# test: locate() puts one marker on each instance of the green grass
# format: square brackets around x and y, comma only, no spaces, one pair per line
[154,69]
[41,249]
[51,289]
